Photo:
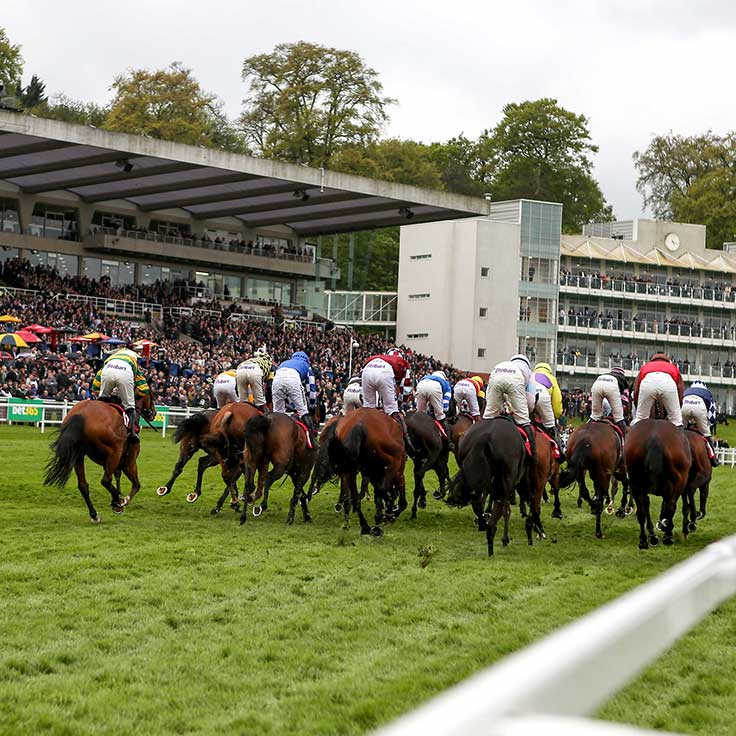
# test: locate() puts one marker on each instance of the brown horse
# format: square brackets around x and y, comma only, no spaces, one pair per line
[188,436]
[461,424]
[225,442]
[368,441]
[594,448]
[276,439]
[545,470]
[701,474]
[658,460]
[96,429]
[432,453]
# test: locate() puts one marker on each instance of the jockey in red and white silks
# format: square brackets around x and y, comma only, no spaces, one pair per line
[468,390]
[224,389]
[659,380]
[511,383]
[609,387]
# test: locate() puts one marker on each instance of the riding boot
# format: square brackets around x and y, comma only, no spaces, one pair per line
[529,431]
[448,431]
[132,419]
[622,425]
[306,420]
[714,460]
[555,434]
[399,418]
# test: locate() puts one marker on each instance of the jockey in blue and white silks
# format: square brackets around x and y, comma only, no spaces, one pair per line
[433,393]
[293,383]
[699,409]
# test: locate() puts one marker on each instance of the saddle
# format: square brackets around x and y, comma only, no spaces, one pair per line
[305,429]
[115,403]
[527,444]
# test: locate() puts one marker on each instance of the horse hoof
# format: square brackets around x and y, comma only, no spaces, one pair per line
[643,544]
[654,540]
[241,498]
[289,521]
[668,541]
[338,507]
[620,514]
[580,504]
[307,519]
[243,519]
[126,501]
[257,511]
[162,490]
[422,503]
[117,510]
[610,509]
[658,526]
[701,514]
[692,526]
[96,520]
[214,511]
[541,536]
[376,531]
[599,535]
[235,506]
[437,495]
[192,497]
[556,514]
[629,510]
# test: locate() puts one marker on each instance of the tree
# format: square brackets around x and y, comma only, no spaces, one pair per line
[69,110]
[34,94]
[461,164]
[306,101]
[11,63]
[541,151]
[400,161]
[165,103]
[671,164]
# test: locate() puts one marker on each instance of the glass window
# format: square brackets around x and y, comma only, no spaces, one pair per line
[481,352]
[485,272]
[113,220]
[233,287]
[92,267]
[483,312]
[51,221]
[6,253]
[9,216]
[268,290]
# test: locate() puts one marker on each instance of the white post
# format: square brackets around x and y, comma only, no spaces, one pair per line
[43,419]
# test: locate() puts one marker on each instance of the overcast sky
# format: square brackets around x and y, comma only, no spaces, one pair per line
[633,68]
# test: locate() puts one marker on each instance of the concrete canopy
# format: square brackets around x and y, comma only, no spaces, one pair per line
[39,156]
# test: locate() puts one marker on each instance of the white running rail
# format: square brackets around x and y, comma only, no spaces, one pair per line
[572,672]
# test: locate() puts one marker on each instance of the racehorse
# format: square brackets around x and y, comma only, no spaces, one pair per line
[461,424]
[96,429]
[491,459]
[701,473]
[658,460]
[225,441]
[323,471]
[432,453]
[595,448]
[545,470]
[277,439]
[368,441]
[189,438]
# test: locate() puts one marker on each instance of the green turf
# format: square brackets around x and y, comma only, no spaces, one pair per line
[168,620]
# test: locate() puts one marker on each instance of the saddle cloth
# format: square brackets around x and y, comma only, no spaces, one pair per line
[305,429]
[440,428]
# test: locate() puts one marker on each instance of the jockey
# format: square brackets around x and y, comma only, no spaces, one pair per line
[352,396]
[294,384]
[469,390]
[699,408]
[434,393]
[121,371]
[659,379]
[612,387]
[382,375]
[512,382]
[224,389]
[549,400]
[252,374]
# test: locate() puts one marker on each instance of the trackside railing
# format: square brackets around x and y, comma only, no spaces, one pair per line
[571,673]
[43,414]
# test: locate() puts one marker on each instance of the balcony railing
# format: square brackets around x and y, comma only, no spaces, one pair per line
[653,329]
[723,294]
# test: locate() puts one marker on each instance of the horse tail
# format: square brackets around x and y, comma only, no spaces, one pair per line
[196,425]
[69,449]
[219,439]
[576,463]
[256,430]
[323,471]
[344,454]
[654,462]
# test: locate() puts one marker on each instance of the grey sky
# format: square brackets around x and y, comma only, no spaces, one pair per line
[634,68]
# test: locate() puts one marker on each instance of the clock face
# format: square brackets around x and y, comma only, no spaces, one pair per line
[672,241]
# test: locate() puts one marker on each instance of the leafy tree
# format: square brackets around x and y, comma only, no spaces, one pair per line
[400,161]
[671,164]
[34,94]
[541,151]
[461,164]
[306,101]
[69,110]
[165,103]
[11,63]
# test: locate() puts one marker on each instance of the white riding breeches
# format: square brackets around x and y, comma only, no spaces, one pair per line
[543,408]
[658,386]
[378,380]
[510,387]
[694,411]
[606,387]
[118,375]
[464,391]
[287,390]
[250,377]
[224,390]
[429,394]
[351,398]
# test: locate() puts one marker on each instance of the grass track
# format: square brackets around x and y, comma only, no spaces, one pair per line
[167,620]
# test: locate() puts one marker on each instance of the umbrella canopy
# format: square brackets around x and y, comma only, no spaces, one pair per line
[9,318]
[38,329]
[95,336]
[114,341]
[12,339]
[29,337]
[80,338]
[144,343]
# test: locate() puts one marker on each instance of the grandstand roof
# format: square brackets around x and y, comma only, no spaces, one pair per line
[39,156]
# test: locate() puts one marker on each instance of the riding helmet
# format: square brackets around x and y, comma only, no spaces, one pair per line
[523,359]
[440,374]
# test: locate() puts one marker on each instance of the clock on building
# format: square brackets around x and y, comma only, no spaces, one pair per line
[672,241]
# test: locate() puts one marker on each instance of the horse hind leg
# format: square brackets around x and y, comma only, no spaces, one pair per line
[84,490]
[111,466]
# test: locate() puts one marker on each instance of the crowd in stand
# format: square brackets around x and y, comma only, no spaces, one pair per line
[648,284]
[192,348]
